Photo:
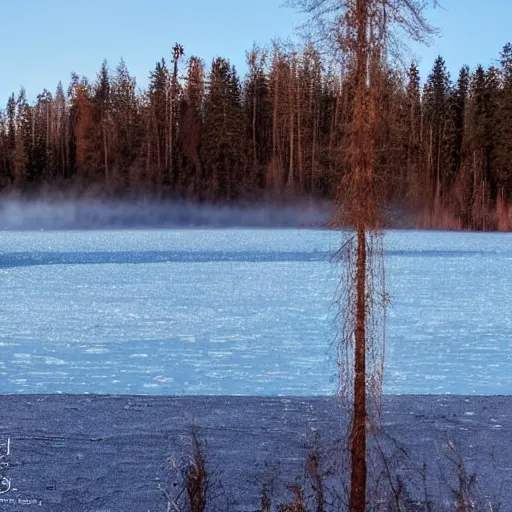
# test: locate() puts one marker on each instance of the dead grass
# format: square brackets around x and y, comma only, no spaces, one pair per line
[196,476]
[489,217]
[401,484]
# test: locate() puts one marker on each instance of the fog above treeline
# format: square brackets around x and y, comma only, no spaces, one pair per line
[87,214]
[202,133]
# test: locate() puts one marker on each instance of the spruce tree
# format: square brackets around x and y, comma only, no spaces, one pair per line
[173,102]
[158,101]
[455,127]
[503,161]
[258,117]
[11,136]
[42,146]
[102,104]
[4,151]
[435,100]
[126,120]
[23,140]
[223,149]
[190,131]
[415,174]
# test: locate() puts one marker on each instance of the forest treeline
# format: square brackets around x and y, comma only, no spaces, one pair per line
[444,148]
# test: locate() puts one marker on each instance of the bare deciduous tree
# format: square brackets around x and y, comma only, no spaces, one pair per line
[366,33]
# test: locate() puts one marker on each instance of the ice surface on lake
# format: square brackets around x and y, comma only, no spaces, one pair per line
[243,312]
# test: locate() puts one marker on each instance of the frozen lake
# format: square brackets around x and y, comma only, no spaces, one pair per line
[243,311]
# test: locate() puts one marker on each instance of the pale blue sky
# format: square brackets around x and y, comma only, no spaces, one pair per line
[44,40]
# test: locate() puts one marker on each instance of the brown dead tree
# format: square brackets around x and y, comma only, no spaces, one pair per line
[365,34]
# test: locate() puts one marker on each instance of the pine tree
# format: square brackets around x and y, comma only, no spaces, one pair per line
[277,87]
[455,127]
[308,116]
[102,104]
[62,136]
[4,151]
[173,102]
[11,137]
[23,140]
[158,101]
[479,155]
[223,149]
[390,132]
[415,174]
[43,162]
[503,162]
[258,117]
[82,131]
[191,128]
[435,99]
[127,124]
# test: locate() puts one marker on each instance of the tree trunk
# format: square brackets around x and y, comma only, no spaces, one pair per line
[361,167]
[171,133]
[158,148]
[290,183]
[358,434]
[274,134]
[105,150]
[172,177]
[313,154]
[254,148]
[167,128]
[47,145]
[299,141]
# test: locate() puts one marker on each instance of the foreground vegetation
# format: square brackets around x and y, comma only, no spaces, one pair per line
[399,482]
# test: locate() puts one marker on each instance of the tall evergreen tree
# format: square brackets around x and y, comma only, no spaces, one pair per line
[42,163]
[258,115]
[103,106]
[173,92]
[4,151]
[127,123]
[159,106]
[457,103]
[504,128]
[415,174]
[83,130]
[23,141]
[191,129]
[62,136]
[435,99]
[223,148]
[11,137]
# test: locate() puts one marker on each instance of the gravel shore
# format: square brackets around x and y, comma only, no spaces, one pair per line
[114,453]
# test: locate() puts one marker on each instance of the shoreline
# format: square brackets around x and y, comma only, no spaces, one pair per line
[112,452]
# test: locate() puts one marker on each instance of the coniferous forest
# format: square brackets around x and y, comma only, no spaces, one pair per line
[202,132]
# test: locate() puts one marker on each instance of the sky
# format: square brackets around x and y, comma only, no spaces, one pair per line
[44,41]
